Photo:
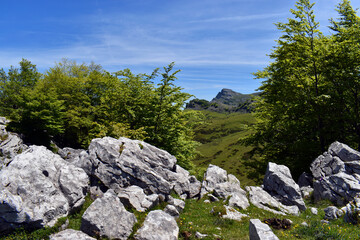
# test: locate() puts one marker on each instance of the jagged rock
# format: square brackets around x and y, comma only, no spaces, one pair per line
[352,211]
[77,157]
[332,213]
[336,174]
[305,180]
[213,198]
[107,217]
[179,204]
[305,224]
[260,231]
[223,185]
[158,225]
[34,191]
[71,234]
[10,144]
[233,214]
[314,211]
[186,184]
[119,163]
[306,191]
[172,210]
[135,197]
[262,199]
[279,183]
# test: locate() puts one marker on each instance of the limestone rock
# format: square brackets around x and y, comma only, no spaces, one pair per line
[119,163]
[260,231]
[77,157]
[262,199]
[306,191]
[135,197]
[10,145]
[336,174]
[179,204]
[172,210]
[34,191]
[70,234]
[186,184]
[332,213]
[352,211]
[314,211]
[224,185]
[279,183]
[107,217]
[233,214]
[158,225]
[305,180]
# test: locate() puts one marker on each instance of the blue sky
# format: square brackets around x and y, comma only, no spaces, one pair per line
[216,43]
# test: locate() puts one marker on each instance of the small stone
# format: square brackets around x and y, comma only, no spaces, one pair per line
[171,210]
[200,235]
[207,201]
[304,224]
[324,222]
[314,211]
[213,198]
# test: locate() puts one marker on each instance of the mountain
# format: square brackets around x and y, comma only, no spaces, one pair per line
[226,100]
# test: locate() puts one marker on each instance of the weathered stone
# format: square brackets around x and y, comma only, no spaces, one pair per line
[77,157]
[35,191]
[306,191]
[305,180]
[233,214]
[107,217]
[179,204]
[336,174]
[172,210]
[71,234]
[260,231]
[305,224]
[186,184]
[279,183]
[332,213]
[135,197]
[223,185]
[10,146]
[158,225]
[262,199]
[213,198]
[199,235]
[120,163]
[352,211]
[314,211]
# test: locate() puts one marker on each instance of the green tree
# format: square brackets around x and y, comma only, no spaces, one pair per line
[291,110]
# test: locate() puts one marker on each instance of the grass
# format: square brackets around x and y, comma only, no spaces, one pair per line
[219,138]
[197,217]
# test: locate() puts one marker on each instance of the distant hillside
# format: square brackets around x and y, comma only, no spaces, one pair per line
[226,100]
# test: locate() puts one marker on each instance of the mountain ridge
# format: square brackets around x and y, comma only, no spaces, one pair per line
[226,100]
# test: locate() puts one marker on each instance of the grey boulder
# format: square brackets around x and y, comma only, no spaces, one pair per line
[71,234]
[224,185]
[280,184]
[336,174]
[260,231]
[352,211]
[107,217]
[262,199]
[37,188]
[233,214]
[158,225]
[186,184]
[135,197]
[332,213]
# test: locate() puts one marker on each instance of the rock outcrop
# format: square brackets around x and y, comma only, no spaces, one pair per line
[337,174]
[260,231]
[262,199]
[280,184]
[119,163]
[222,185]
[10,144]
[352,211]
[107,217]
[158,225]
[71,234]
[37,188]
[135,197]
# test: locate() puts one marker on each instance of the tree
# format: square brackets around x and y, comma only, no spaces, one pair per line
[291,110]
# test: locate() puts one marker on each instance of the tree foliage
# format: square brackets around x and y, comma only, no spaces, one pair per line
[73,103]
[310,95]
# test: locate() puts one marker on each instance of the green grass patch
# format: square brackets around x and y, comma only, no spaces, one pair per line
[219,137]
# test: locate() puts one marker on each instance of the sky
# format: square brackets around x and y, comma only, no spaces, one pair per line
[216,43]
